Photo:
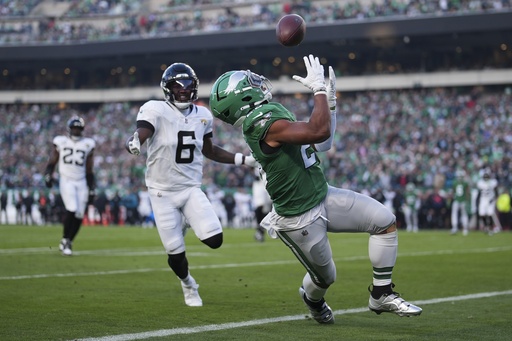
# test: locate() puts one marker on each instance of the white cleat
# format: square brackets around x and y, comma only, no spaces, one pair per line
[393,303]
[65,247]
[191,294]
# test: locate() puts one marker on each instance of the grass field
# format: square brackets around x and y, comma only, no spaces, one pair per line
[117,286]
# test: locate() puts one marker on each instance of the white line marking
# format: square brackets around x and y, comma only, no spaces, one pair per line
[240,265]
[233,325]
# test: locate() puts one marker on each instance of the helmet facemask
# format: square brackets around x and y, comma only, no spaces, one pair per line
[179,84]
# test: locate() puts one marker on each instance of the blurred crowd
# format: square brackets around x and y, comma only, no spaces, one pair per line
[135,19]
[384,140]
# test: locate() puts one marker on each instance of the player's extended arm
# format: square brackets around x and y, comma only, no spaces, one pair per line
[219,154]
[50,167]
[138,138]
[318,128]
[331,98]
[89,177]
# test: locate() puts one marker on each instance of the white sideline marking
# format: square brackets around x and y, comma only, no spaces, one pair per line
[240,265]
[233,325]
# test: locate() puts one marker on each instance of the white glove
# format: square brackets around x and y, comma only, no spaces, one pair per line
[134,144]
[241,159]
[331,89]
[315,79]
[250,161]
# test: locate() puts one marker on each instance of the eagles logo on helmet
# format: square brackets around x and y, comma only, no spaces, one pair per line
[236,93]
[180,83]
[75,126]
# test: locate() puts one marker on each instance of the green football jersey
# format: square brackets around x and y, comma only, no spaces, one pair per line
[460,190]
[295,180]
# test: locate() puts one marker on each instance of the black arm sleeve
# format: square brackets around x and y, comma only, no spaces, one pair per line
[91,183]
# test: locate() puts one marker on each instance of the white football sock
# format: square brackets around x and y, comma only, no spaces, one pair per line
[313,291]
[189,281]
[383,249]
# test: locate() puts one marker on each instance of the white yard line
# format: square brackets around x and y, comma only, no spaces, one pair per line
[233,325]
[233,265]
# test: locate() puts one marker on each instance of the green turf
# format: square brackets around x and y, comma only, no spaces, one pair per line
[118,282]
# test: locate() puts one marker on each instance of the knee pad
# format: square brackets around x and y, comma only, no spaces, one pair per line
[214,242]
[179,264]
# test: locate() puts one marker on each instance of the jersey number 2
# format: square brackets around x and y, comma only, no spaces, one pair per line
[308,156]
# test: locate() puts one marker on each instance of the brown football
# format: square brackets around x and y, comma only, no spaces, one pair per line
[290,30]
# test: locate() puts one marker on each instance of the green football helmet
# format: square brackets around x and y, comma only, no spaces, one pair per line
[236,93]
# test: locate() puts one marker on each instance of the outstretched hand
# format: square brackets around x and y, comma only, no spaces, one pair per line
[314,80]
[134,144]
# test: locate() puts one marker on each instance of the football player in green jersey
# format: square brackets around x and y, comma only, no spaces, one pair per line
[410,207]
[460,202]
[305,206]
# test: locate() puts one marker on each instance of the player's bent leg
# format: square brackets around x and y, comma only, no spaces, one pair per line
[318,308]
[311,247]
[215,241]
[179,264]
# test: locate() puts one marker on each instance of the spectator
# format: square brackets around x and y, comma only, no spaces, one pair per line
[3,206]
[115,207]
[504,209]
[101,204]
[229,204]
[437,209]
[244,214]
[130,201]
[216,197]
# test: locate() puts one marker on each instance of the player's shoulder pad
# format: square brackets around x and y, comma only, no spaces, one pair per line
[153,106]
[202,111]
[267,113]
[59,139]
[90,142]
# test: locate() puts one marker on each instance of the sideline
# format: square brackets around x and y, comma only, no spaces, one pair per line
[233,325]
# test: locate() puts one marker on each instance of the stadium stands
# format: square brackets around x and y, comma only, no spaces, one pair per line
[414,105]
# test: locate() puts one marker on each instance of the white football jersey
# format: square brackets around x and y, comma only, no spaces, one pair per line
[175,158]
[73,155]
[487,189]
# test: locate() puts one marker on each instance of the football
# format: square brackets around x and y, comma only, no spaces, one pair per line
[290,30]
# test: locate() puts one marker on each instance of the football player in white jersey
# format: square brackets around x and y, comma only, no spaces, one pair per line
[74,154]
[486,199]
[178,135]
